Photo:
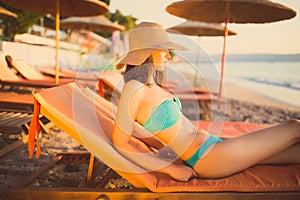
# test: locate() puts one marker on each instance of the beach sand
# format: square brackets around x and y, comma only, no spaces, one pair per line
[241,105]
[247,95]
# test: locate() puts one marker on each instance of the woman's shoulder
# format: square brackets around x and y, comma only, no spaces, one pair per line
[133,85]
[133,88]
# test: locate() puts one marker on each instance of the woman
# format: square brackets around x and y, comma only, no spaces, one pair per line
[143,100]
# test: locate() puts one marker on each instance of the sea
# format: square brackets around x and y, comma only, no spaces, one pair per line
[278,80]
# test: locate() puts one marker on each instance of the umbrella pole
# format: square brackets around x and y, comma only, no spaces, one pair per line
[224,52]
[56,41]
[196,76]
[89,50]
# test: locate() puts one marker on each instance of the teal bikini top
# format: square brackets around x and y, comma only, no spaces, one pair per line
[166,114]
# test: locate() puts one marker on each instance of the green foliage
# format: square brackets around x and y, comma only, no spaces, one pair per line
[128,21]
[12,26]
[106,1]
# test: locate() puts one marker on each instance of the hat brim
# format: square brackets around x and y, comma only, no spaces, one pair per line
[138,56]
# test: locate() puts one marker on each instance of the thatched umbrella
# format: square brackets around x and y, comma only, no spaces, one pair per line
[7,13]
[95,23]
[59,8]
[230,11]
[194,28]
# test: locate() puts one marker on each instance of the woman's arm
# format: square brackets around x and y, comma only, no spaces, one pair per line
[147,137]
[138,152]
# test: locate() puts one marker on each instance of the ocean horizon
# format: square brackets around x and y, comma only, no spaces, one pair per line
[278,80]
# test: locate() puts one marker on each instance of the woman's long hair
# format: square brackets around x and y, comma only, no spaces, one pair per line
[141,73]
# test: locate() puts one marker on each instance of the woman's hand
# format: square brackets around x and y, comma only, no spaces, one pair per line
[180,172]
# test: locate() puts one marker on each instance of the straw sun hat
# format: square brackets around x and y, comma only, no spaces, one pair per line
[144,39]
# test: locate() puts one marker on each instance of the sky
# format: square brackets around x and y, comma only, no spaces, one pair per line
[271,38]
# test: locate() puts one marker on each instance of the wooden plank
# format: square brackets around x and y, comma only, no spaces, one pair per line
[19,119]
[25,119]
[12,122]
[43,169]
[111,174]
[3,113]
[11,101]
[98,170]
[16,107]
[80,157]
[45,126]
[6,117]
[9,129]
[10,147]
[90,194]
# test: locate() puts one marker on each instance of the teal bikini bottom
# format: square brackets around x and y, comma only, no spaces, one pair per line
[199,153]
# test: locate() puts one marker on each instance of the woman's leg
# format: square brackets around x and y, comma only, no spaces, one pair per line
[262,146]
[285,157]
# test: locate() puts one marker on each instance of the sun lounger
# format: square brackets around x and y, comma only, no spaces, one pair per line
[8,78]
[13,123]
[111,83]
[91,124]
[11,101]
[65,73]
[29,73]
[16,111]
